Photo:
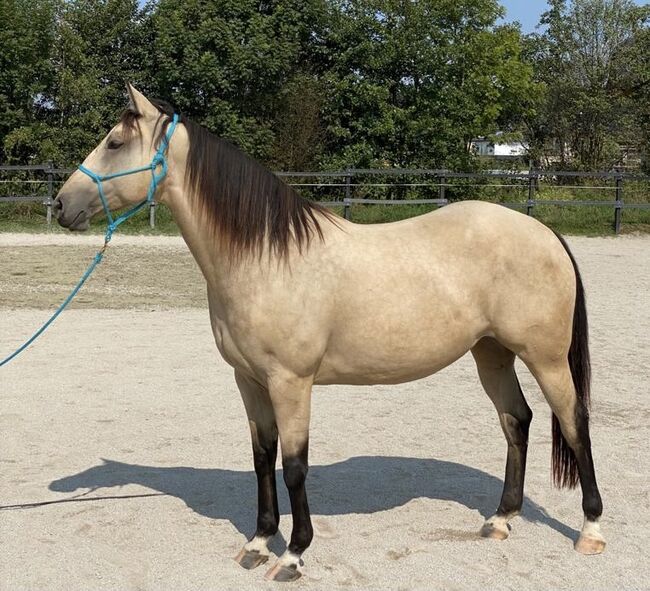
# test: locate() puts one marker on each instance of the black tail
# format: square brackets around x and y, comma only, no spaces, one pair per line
[564,464]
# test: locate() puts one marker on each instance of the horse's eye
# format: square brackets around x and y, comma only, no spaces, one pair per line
[114,144]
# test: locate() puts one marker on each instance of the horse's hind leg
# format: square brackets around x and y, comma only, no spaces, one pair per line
[556,382]
[496,370]
[264,436]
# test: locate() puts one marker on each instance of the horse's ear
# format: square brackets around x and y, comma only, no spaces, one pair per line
[138,103]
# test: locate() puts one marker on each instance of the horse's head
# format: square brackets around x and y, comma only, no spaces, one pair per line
[132,143]
[105,475]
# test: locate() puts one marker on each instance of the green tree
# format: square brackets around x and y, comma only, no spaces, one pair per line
[298,132]
[96,46]
[26,35]
[586,117]
[411,83]
[633,78]
[228,64]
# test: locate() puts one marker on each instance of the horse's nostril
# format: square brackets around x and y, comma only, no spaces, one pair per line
[57,205]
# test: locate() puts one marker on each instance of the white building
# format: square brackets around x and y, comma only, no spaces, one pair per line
[484,147]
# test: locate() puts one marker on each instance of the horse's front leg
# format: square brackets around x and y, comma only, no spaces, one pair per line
[291,399]
[264,435]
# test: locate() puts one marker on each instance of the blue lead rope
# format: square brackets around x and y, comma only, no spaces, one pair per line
[40,331]
[159,161]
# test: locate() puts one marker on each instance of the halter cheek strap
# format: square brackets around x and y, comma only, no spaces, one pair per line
[158,168]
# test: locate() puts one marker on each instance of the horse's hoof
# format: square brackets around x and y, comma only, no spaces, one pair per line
[588,545]
[250,559]
[282,573]
[494,531]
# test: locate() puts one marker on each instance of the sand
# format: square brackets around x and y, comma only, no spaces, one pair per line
[126,459]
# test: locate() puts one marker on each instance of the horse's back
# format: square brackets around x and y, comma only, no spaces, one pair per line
[466,220]
[463,243]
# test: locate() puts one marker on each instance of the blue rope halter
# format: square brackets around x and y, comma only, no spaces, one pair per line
[158,168]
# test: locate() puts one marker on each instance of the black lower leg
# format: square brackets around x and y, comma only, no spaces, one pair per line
[516,432]
[295,474]
[592,504]
[268,514]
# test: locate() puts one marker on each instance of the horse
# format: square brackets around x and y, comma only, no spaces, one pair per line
[290,286]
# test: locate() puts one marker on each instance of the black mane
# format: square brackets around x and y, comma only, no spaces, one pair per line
[248,207]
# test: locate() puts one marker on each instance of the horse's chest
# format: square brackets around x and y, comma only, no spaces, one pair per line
[225,338]
[226,344]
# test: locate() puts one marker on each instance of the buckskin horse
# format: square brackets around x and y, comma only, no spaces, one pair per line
[288,291]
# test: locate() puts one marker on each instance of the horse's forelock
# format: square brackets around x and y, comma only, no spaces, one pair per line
[129,120]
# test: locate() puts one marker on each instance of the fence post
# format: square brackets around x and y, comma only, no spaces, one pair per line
[618,207]
[441,187]
[152,215]
[531,192]
[50,189]
[347,213]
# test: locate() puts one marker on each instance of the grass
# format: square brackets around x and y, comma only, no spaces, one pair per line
[583,220]
[587,221]
[31,217]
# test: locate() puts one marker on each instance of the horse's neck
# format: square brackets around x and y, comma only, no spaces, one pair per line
[225,280]
[207,251]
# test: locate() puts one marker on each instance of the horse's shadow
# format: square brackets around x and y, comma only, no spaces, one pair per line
[365,484]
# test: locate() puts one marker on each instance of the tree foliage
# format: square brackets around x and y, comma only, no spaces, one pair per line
[411,83]
[26,72]
[330,83]
[587,115]
[228,64]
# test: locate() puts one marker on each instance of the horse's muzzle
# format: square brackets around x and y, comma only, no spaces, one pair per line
[75,220]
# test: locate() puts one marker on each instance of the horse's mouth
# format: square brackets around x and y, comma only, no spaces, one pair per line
[79,223]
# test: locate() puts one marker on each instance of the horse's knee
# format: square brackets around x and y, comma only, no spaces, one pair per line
[264,460]
[295,472]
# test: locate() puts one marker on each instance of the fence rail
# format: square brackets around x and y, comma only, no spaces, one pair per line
[346,182]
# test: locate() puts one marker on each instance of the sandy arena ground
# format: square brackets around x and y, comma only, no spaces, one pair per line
[126,459]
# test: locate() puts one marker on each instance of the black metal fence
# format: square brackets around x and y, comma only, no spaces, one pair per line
[347,188]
